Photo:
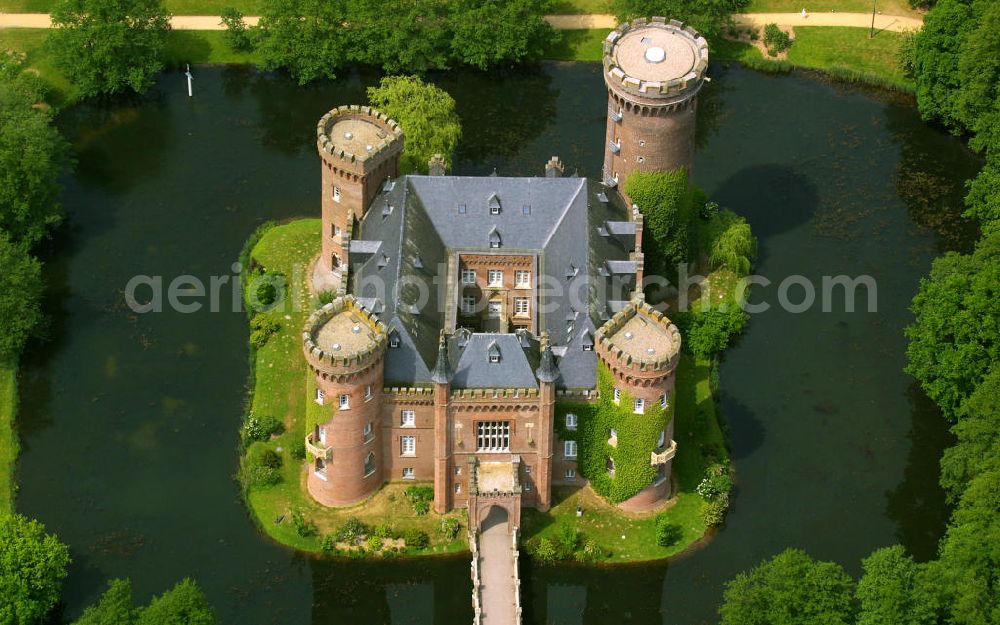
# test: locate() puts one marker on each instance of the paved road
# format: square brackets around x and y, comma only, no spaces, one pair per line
[496,562]
[564,22]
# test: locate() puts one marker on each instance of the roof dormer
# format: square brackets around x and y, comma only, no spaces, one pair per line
[494,204]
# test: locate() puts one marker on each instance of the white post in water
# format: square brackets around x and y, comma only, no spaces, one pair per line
[190,78]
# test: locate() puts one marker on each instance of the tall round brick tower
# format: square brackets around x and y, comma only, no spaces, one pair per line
[654,69]
[344,346]
[359,148]
[641,347]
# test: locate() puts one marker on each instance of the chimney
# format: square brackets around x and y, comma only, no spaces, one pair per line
[437,166]
[554,168]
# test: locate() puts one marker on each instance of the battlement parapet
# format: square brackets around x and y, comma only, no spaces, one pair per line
[371,137]
[655,59]
[640,339]
[343,337]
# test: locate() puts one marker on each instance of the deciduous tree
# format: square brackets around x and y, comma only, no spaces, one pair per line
[32,568]
[426,114]
[20,298]
[894,590]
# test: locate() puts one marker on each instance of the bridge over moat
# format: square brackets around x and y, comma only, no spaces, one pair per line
[494,517]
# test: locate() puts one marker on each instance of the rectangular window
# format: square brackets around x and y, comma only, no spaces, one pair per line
[527,486]
[569,449]
[408,418]
[368,392]
[521,306]
[468,276]
[322,434]
[408,473]
[495,277]
[495,245]
[493,436]
[369,432]
[458,470]
[522,279]
[320,469]
[618,395]
[662,440]
[345,402]
[663,401]
[394,341]
[336,193]
[320,396]
[408,445]
[570,474]
[468,305]
[639,406]
[458,489]
[570,421]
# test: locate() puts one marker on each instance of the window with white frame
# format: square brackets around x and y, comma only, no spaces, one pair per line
[495,244]
[345,401]
[639,406]
[618,394]
[662,440]
[521,306]
[369,464]
[468,305]
[664,400]
[468,276]
[320,396]
[408,418]
[570,474]
[458,470]
[336,193]
[319,469]
[493,436]
[570,421]
[495,277]
[522,279]
[408,473]
[321,434]
[368,392]
[458,489]
[369,431]
[408,445]
[394,341]
[613,435]
[569,449]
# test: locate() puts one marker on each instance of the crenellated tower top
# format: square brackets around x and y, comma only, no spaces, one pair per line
[342,339]
[639,342]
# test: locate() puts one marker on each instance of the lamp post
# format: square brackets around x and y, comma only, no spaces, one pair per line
[871,33]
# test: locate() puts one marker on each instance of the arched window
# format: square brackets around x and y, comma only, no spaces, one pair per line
[369,464]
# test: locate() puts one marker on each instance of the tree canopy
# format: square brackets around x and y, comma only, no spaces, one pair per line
[32,157]
[894,590]
[109,46]
[956,335]
[305,37]
[789,589]
[488,33]
[32,568]
[20,297]
[426,114]
[184,604]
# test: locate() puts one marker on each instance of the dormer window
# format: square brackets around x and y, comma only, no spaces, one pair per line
[494,203]
[616,146]
[461,209]
[383,260]
[495,240]
[494,353]
[394,340]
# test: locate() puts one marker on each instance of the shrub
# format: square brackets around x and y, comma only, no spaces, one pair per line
[713,512]
[416,539]
[667,533]
[716,483]
[328,544]
[303,527]
[544,551]
[374,543]
[568,539]
[266,293]
[708,210]
[776,40]
[237,35]
[260,468]
[731,243]
[326,297]
[383,530]
[591,552]
[297,449]
[261,428]
[450,527]
[420,498]
[708,332]
[352,529]
[262,328]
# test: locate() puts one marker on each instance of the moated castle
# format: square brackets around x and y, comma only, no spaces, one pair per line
[469,308]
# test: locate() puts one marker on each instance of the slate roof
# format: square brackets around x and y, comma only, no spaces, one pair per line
[399,265]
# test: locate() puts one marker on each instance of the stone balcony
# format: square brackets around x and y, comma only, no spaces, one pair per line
[318,449]
[664,456]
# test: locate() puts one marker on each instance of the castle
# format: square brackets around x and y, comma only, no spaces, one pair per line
[470,308]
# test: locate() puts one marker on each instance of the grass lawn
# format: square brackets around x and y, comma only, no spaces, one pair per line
[848,52]
[8,438]
[887,7]
[632,537]
[281,390]
[578,45]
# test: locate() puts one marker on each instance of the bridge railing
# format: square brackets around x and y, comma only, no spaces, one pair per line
[515,553]
[477,582]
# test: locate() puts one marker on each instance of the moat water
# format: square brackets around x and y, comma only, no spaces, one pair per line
[129,423]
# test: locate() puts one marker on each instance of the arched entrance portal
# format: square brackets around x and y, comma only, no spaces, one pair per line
[494,516]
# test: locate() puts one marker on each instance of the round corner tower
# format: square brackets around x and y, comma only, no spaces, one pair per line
[641,347]
[654,69]
[344,346]
[359,148]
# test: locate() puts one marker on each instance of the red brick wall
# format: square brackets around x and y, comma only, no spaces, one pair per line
[509,265]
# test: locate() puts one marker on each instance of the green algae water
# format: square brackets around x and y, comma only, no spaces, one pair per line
[129,421]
